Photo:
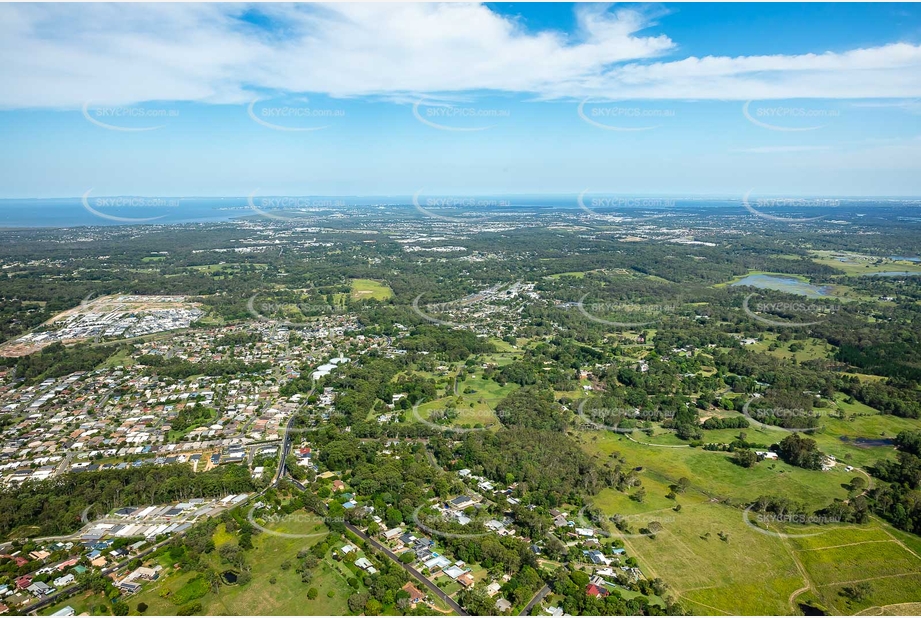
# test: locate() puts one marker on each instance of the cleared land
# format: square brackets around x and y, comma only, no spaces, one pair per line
[364,289]
[286,596]
[717,563]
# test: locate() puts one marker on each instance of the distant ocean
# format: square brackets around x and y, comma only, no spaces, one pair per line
[105,211]
[71,212]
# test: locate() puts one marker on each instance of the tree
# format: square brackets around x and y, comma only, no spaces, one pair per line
[357,601]
[190,609]
[857,592]
[373,607]
[142,607]
[313,593]
[746,458]
[802,452]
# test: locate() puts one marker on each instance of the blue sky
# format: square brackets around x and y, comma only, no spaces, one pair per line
[661,99]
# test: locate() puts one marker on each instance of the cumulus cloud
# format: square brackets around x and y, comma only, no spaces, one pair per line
[63,56]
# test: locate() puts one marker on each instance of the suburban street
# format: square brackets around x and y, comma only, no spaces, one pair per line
[537,599]
[432,587]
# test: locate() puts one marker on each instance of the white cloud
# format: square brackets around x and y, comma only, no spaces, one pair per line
[62,56]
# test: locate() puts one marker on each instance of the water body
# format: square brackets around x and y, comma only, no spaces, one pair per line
[891,273]
[784,284]
[868,442]
[127,210]
[809,610]
[905,259]
[70,212]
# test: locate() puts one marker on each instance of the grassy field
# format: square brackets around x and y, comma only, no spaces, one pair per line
[812,348]
[224,271]
[287,596]
[90,603]
[576,274]
[476,397]
[750,573]
[873,555]
[854,264]
[363,289]
[714,475]
[753,572]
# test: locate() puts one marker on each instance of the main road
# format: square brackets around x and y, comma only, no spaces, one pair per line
[286,441]
[428,584]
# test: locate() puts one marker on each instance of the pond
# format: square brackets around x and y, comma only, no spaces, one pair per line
[809,610]
[791,285]
[229,577]
[868,442]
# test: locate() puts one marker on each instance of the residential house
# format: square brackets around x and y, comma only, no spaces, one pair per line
[415,595]
[461,502]
[596,591]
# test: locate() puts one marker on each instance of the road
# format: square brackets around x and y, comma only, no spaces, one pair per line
[416,574]
[286,441]
[72,590]
[537,599]
[438,592]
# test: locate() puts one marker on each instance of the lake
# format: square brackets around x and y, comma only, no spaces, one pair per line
[780,283]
